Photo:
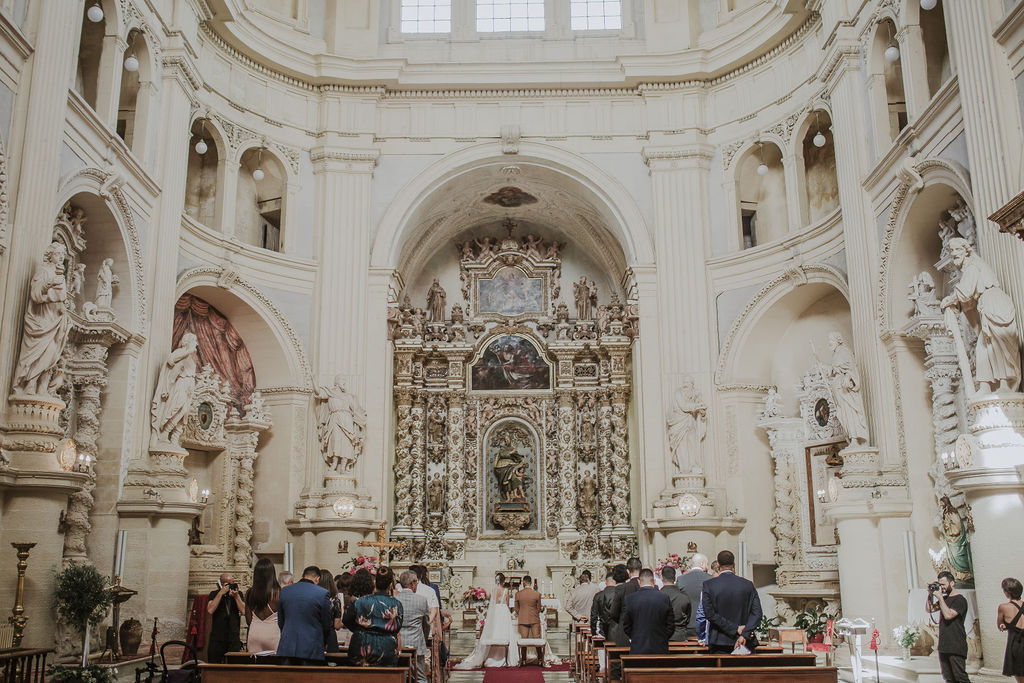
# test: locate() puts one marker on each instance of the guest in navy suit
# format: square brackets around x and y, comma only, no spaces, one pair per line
[732,608]
[647,618]
[307,628]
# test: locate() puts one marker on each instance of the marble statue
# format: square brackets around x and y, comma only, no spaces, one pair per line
[174,389]
[341,424]
[585,294]
[458,317]
[466,251]
[105,283]
[772,405]
[510,469]
[588,495]
[964,222]
[532,245]
[553,251]
[845,382]
[604,317]
[687,428]
[436,298]
[47,324]
[922,295]
[487,246]
[77,281]
[996,353]
[954,533]
[435,493]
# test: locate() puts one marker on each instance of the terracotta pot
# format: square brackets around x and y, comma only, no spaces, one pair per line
[131,637]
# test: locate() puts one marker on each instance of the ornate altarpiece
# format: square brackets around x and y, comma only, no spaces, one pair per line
[508,356]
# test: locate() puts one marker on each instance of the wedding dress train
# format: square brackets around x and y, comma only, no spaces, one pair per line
[498,644]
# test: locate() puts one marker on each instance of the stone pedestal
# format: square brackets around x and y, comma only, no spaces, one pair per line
[33,430]
[991,476]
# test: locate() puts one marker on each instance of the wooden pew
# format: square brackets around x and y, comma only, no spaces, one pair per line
[406,660]
[271,673]
[720,661]
[615,653]
[752,674]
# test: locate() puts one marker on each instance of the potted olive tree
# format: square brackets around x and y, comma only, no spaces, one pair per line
[82,599]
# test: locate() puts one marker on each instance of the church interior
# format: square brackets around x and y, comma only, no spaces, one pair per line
[529,286]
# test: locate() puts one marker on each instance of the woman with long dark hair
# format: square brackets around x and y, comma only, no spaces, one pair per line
[375,621]
[261,608]
[327,581]
[344,583]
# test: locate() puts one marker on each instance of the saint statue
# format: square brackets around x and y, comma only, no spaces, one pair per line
[47,323]
[954,533]
[105,283]
[77,281]
[435,302]
[435,493]
[588,495]
[996,354]
[585,294]
[772,406]
[174,389]
[341,423]
[687,427]
[845,382]
[510,468]
[922,295]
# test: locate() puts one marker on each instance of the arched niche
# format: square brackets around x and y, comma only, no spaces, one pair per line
[505,439]
[819,185]
[885,84]
[204,177]
[260,202]
[135,104]
[763,206]
[90,53]
[936,47]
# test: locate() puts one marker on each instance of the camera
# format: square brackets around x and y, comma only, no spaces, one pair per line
[234,586]
[934,587]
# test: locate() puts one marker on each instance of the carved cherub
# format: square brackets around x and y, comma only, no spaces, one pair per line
[487,246]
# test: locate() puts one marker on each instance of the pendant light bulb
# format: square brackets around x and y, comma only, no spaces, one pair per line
[201,146]
[258,174]
[929,4]
[819,139]
[892,53]
[762,169]
[131,63]
[95,13]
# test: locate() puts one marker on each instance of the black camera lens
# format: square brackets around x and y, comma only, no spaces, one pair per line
[233,586]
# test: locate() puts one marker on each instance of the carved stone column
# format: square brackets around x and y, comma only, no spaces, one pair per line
[454,505]
[605,475]
[619,462]
[243,436]
[403,463]
[418,463]
[568,479]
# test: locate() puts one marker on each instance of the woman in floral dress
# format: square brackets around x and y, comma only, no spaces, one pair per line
[375,621]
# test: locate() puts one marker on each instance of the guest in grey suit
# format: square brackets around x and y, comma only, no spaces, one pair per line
[416,621]
[691,582]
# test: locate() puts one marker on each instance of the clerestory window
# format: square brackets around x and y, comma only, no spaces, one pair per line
[494,16]
[595,15]
[426,16]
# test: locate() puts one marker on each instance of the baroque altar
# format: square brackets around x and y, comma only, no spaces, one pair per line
[512,414]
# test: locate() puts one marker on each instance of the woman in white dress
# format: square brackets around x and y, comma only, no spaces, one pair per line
[497,645]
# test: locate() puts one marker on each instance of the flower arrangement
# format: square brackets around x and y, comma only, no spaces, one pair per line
[906,635]
[673,560]
[474,596]
[812,621]
[362,562]
[59,673]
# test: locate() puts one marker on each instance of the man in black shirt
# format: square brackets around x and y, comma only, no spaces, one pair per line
[225,609]
[952,608]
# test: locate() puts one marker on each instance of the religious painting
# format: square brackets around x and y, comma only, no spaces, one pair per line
[510,292]
[821,412]
[820,473]
[511,479]
[510,362]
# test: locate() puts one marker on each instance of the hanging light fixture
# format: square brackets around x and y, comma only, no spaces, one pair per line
[762,168]
[95,13]
[892,52]
[929,4]
[131,62]
[819,139]
[258,174]
[201,146]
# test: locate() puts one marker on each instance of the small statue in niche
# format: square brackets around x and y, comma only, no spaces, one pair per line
[585,294]
[955,528]
[436,298]
[845,382]
[687,428]
[996,353]
[341,424]
[435,493]
[106,280]
[588,495]
[46,328]
[604,317]
[195,535]
[77,283]
[964,222]
[174,389]
[772,406]
[419,322]
[510,469]
[922,295]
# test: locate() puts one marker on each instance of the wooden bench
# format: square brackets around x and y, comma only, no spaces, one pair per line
[719,661]
[615,653]
[270,673]
[748,674]
[406,660]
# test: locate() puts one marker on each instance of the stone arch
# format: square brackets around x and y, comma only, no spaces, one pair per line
[815,166]
[277,353]
[886,89]
[622,218]
[747,323]
[762,201]
[261,206]
[201,167]
[917,178]
[105,186]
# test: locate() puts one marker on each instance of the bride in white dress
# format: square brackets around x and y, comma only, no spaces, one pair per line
[497,645]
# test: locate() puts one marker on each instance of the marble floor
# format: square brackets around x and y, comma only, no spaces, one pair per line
[462,644]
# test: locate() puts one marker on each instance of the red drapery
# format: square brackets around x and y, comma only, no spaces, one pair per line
[220,345]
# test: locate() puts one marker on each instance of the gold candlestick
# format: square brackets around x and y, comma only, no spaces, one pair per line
[18,618]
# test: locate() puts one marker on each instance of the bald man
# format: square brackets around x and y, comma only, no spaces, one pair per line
[225,608]
[691,582]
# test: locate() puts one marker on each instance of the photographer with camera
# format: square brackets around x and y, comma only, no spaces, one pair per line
[225,608]
[952,608]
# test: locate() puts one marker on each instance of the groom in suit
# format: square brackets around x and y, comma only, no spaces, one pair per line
[304,615]
[528,610]
[732,608]
[647,618]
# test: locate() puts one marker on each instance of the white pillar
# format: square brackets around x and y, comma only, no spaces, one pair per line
[914,67]
[108,87]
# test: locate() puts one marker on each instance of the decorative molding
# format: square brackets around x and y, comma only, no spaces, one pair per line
[4,199]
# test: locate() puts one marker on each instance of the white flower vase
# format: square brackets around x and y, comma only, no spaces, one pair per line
[906,654]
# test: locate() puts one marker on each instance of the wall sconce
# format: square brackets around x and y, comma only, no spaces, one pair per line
[95,13]
[820,493]
[689,505]
[344,507]
[204,496]
[84,463]
[949,461]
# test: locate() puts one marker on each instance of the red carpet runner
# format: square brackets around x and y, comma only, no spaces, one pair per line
[520,674]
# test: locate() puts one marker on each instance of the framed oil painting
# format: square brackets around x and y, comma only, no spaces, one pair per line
[510,292]
[508,363]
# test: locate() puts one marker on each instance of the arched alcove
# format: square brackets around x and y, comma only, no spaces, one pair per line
[761,193]
[202,182]
[819,186]
[136,92]
[936,47]
[888,95]
[260,199]
[90,53]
